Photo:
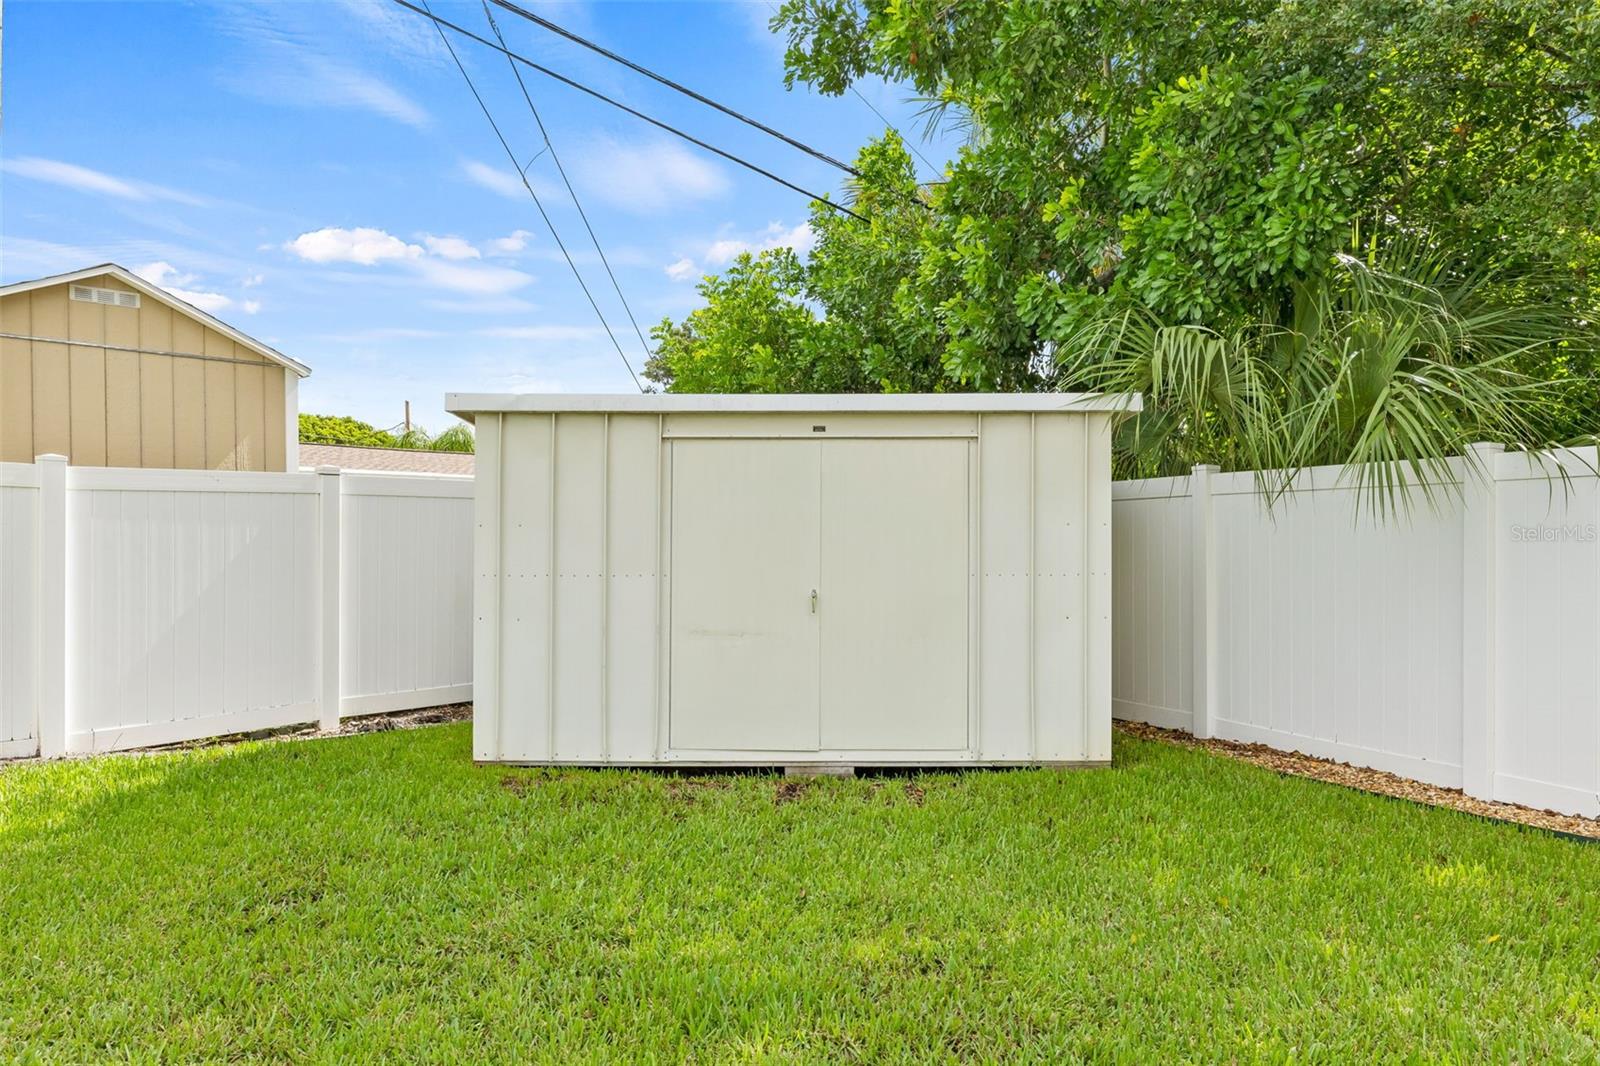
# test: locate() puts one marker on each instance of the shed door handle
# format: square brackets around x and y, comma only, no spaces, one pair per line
[813,601]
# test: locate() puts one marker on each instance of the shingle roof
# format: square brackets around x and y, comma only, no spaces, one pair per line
[396,460]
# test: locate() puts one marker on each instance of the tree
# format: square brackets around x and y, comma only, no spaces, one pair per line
[1204,165]
[755,334]
[342,429]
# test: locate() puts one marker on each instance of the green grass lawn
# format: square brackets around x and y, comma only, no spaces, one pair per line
[379,897]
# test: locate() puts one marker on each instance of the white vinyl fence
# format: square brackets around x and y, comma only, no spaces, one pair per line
[1459,644]
[146,607]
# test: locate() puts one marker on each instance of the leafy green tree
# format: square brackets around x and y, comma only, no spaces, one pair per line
[755,334]
[342,429]
[1199,169]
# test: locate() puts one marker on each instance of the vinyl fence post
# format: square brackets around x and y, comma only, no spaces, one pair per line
[1479,541]
[328,483]
[1203,569]
[51,728]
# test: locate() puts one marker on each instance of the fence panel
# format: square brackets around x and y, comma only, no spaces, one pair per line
[406,597]
[1152,661]
[1338,634]
[192,599]
[1547,609]
[19,631]
[190,604]
[1343,636]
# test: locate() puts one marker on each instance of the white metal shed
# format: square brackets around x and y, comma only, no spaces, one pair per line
[780,580]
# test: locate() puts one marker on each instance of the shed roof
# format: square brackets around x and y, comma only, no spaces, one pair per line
[392,460]
[156,292]
[468,404]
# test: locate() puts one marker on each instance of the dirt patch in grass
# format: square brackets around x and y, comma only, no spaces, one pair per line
[378,723]
[687,789]
[915,793]
[1295,764]
[791,789]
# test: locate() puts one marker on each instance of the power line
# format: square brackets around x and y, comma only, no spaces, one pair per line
[568,183]
[881,117]
[903,138]
[525,61]
[536,202]
[540,20]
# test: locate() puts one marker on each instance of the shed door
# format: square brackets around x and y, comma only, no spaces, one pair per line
[744,564]
[893,609]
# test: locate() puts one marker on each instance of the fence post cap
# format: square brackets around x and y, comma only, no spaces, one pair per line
[50,457]
[1485,446]
[327,470]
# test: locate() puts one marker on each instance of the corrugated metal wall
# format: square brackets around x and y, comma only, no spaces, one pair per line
[572,556]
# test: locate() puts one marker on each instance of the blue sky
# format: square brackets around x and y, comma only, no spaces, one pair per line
[317,174]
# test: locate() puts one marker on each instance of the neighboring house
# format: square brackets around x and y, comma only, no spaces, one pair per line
[107,369]
[392,460]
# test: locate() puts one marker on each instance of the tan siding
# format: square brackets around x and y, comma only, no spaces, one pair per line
[87,369]
[16,383]
[14,316]
[100,406]
[188,413]
[221,434]
[85,321]
[187,334]
[49,311]
[52,400]
[123,445]
[272,397]
[155,409]
[189,396]
[221,344]
[249,407]
[155,384]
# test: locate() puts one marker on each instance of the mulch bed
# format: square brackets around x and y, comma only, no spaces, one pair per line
[1378,781]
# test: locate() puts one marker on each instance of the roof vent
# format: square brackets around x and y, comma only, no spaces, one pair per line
[114,297]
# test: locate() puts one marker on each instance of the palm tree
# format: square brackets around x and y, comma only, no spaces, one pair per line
[1390,369]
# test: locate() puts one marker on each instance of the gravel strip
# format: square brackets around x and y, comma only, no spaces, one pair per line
[1378,781]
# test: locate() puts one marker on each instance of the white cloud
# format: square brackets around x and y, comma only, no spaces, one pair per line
[510,244]
[252,281]
[163,273]
[95,182]
[503,182]
[288,58]
[682,270]
[648,177]
[209,302]
[364,245]
[440,266]
[725,250]
[166,276]
[250,307]
[450,247]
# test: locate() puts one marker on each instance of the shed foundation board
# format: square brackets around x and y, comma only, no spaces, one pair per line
[793,581]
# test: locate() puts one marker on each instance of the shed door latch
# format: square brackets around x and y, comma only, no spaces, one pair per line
[813,601]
